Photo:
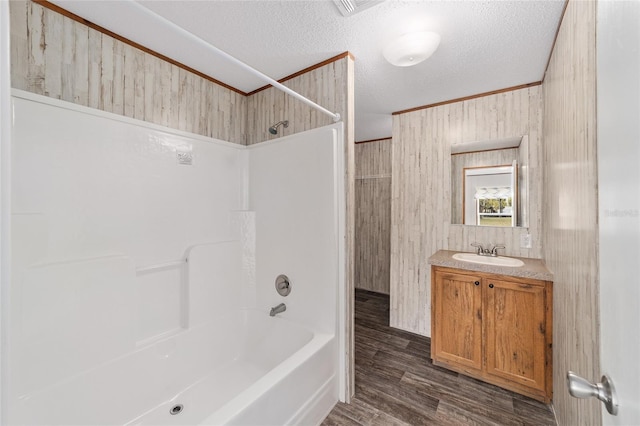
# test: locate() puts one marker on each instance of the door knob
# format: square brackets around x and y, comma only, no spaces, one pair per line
[580,387]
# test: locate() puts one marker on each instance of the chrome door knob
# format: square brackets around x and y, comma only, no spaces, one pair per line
[579,387]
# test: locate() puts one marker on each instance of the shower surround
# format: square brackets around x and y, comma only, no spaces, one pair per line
[144,262]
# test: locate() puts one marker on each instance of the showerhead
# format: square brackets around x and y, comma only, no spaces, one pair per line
[274,129]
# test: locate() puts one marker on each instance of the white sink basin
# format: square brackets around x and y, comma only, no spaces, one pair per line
[489,260]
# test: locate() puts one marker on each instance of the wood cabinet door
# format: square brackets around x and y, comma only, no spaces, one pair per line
[457,305]
[515,330]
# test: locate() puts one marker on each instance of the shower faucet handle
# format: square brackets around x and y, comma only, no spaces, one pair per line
[283,285]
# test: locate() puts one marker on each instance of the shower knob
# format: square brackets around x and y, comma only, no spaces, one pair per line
[283,286]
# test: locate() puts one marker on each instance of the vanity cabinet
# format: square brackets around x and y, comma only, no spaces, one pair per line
[496,328]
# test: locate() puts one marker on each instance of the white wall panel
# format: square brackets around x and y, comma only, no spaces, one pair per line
[104,217]
[297,229]
[109,186]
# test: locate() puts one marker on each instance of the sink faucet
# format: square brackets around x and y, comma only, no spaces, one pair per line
[494,250]
[278,309]
[481,251]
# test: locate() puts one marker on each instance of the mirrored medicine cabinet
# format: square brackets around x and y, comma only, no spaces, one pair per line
[489,182]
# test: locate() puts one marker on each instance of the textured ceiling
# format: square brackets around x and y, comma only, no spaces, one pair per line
[486,45]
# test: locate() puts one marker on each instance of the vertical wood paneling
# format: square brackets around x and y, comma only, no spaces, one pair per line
[36,48]
[129,82]
[138,83]
[94,69]
[373,215]
[79,76]
[19,45]
[373,233]
[118,79]
[53,24]
[570,215]
[373,158]
[55,56]
[421,191]
[106,74]
[322,85]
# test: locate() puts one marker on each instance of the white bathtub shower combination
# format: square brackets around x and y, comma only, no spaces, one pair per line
[143,269]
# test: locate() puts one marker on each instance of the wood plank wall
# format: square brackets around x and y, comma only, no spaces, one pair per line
[55,56]
[373,215]
[570,222]
[421,191]
[325,85]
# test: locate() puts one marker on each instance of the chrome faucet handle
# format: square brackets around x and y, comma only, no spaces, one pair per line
[479,247]
[494,250]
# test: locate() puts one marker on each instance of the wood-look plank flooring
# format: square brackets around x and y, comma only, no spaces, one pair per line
[397,384]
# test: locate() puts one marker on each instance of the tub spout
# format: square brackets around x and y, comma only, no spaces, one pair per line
[278,309]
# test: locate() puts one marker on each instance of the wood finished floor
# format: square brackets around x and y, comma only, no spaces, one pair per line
[397,384]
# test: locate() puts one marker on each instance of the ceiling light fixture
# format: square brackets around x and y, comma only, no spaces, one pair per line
[411,49]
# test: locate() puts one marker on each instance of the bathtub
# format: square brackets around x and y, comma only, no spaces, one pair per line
[254,370]
[278,373]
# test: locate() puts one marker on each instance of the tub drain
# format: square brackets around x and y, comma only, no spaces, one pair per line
[176,409]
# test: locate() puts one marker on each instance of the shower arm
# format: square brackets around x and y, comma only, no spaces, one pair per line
[334,115]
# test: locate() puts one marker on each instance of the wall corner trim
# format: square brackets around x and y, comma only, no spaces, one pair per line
[306,70]
[466,98]
[555,39]
[73,16]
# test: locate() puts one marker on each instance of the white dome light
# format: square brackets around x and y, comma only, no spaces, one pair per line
[411,49]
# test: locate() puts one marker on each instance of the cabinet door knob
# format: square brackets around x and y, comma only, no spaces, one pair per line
[477,283]
[490,285]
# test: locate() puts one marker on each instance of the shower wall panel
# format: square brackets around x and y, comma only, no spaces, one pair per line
[105,214]
[297,193]
[55,56]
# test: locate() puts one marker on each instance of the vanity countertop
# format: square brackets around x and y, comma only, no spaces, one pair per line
[532,268]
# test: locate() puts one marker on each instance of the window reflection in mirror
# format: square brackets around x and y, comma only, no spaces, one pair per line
[489,195]
[506,210]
